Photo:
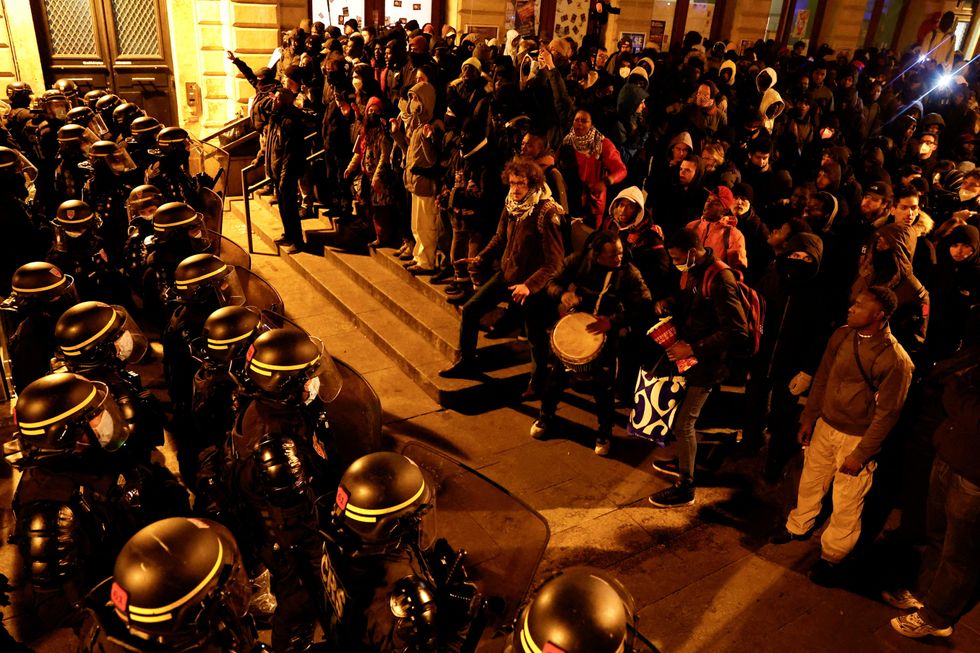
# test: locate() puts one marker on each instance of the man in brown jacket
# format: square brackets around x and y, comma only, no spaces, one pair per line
[855,400]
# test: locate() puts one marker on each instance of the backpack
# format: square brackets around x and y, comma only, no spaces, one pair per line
[753,304]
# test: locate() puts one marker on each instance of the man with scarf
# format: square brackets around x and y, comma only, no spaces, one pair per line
[598,164]
[528,241]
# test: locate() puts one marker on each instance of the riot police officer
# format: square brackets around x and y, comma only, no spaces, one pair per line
[23,240]
[69,89]
[579,610]
[104,106]
[92,98]
[40,293]
[97,341]
[53,115]
[142,203]
[78,251]
[143,138]
[123,116]
[187,570]
[76,502]
[203,283]
[291,379]
[69,177]
[386,589]
[178,232]
[170,173]
[107,190]
[19,95]
[86,117]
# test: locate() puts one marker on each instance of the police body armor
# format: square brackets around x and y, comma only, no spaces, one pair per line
[78,251]
[170,172]
[387,587]
[178,585]
[179,232]
[107,190]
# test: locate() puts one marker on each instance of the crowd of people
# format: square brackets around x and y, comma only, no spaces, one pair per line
[803,226]
[807,221]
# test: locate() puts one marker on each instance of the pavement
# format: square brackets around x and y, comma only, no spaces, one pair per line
[703,578]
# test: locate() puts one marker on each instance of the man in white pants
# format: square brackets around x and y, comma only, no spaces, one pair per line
[856,398]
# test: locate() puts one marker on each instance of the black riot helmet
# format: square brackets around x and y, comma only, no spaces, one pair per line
[76,219]
[145,127]
[176,219]
[202,276]
[68,88]
[113,155]
[91,333]
[105,105]
[40,284]
[576,611]
[180,583]
[72,138]
[92,97]
[19,94]
[292,367]
[61,414]
[55,105]
[124,114]
[143,201]
[380,502]
[86,117]
[173,143]
[228,333]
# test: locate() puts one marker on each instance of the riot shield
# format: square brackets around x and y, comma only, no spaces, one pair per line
[229,251]
[355,416]
[504,538]
[213,210]
[259,293]
[206,159]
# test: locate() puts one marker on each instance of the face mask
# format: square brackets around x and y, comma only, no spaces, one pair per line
[826,133]
[310,390]
[373,120]
[624,72]
[924,149]
[357,83]
[414,106]
[124,346]
[74,234]
[103,427]
[416,59]
[967,195]
[687,264]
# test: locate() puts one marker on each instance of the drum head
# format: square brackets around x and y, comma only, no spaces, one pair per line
[572,343]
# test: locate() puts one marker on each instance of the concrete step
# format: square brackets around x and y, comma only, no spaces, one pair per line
[435,293]
[401,321]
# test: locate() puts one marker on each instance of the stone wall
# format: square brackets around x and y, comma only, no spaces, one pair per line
[19,57]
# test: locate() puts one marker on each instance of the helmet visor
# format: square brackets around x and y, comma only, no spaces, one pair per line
[131,343]
[230,289]
[324,380]
[106,424]
[120,162]
[98,126]
[143,206]
[57,109]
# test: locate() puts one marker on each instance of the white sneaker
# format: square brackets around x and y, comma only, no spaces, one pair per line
[539,429]
[913,625]
[903,599]
[602,446]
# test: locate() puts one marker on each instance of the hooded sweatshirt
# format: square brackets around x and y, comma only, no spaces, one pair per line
[420,152]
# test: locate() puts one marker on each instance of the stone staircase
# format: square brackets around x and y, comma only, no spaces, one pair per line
[405,316]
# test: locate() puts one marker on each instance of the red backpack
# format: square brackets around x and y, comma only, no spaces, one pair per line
[753,304]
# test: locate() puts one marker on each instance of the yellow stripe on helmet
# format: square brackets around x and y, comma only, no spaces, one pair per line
[152,615]
[71,351]
[37,428]
[386,511]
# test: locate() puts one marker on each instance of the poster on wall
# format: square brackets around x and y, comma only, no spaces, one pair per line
[571,18]
[800,23]
[638,39]
[524,17]
[487,31]
[657,30]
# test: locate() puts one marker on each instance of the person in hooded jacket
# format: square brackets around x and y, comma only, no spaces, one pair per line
[756,233]
[906,212]
[956,289]
[796,327]
[416,135]
[286,162]
[374,185]
[718,229]
[887,262]
[682,198]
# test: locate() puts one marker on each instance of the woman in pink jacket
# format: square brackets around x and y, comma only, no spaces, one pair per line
[599,166]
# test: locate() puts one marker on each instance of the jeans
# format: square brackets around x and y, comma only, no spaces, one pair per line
[953,552]
[467,243]
[535,319]
[683,427]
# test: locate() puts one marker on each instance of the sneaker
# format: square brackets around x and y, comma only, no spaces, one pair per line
[539,429]
[289,247]
[419,271]
[913,625]
[825,573]
[408,256]
[462,368]
[678,494]
[667,467]
[903,599]
[602,446]
[460,299]
[443,276]
[785,536]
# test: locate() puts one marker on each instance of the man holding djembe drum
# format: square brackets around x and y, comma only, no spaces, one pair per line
[599,296]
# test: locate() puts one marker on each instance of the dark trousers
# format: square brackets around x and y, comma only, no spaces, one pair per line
[287,195]
[953,553]
[536,314]
[601,383]
[467,243]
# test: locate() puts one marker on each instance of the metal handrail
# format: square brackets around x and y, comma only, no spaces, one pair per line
[230,126]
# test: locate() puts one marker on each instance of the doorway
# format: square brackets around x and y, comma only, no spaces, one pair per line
[119,45]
